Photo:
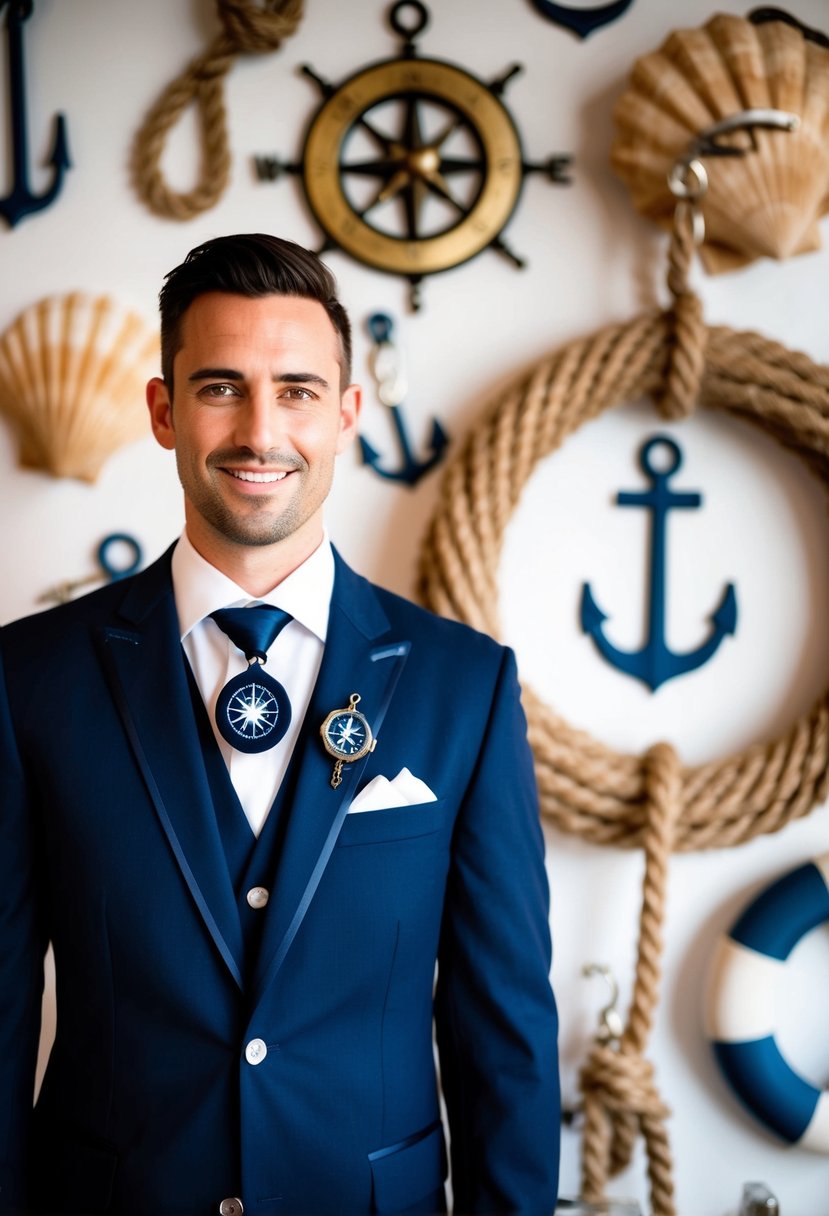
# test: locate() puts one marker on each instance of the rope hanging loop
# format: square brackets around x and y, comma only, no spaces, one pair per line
[247,28]
[620,1096]
[650,802]
[688,182]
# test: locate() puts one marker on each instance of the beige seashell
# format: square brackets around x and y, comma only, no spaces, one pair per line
[73,369]
[766,203]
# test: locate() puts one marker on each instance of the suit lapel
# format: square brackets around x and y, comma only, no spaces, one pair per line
[146,670]
[355,660]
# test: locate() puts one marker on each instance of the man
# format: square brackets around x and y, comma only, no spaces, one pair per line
[245,933]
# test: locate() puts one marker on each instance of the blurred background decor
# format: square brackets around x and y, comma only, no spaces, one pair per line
[72,375]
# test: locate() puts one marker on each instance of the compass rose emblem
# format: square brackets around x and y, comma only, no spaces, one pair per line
[253,713]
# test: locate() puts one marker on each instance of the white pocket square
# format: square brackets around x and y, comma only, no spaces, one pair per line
[381,794]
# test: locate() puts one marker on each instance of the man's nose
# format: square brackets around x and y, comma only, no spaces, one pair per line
[258,423]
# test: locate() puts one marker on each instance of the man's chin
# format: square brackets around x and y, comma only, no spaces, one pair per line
[256,531]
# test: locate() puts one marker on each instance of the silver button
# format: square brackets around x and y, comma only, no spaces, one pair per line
[231,1207]
[257,897]
[256,1051]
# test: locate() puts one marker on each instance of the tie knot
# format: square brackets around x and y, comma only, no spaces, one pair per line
[252,629]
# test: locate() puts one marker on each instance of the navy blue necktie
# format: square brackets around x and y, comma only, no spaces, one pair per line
[253,711]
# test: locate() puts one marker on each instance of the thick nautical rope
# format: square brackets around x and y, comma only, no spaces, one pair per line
[618,1085]
[586,788]
[247,28]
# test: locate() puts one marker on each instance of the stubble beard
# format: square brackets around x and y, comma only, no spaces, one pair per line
[257,526]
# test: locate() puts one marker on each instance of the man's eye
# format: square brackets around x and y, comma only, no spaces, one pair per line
[218,392]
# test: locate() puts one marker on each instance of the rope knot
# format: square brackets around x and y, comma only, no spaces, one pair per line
[253,29]
[623,1083]
[620,1102]
[686,358]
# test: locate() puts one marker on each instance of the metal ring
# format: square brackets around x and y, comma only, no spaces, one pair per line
[678,179]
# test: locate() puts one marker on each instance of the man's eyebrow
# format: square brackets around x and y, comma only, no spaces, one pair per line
[300,378]
[215,373]
[229,373]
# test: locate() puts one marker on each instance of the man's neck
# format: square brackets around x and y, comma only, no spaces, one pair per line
[257,569]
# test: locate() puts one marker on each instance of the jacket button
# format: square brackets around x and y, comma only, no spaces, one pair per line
[255,1053]
[231,1207]
[257,897]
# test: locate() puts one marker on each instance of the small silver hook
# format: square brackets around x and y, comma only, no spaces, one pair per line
[688,178]
[610,1020]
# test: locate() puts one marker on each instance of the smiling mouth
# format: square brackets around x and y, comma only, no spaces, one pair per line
[245,475]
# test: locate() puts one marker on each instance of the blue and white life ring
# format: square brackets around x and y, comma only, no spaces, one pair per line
[747,972]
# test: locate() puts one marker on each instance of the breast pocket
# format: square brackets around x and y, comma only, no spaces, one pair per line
[394,823]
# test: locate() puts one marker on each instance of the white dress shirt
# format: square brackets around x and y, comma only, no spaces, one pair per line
[294,657]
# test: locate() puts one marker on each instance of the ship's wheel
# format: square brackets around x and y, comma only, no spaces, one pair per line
[412,165]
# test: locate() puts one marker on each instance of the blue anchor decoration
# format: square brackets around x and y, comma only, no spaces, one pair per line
[655,663]
[387,366]
[21,200]
[582,21]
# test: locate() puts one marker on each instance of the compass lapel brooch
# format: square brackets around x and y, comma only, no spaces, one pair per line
[412,165]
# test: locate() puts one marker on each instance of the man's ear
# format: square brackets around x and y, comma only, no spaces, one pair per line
[161,413]
[350,403]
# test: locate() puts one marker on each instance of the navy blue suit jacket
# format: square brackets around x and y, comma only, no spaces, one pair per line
[109,848]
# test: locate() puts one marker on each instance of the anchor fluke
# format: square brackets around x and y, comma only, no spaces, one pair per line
[725,618]
[411,469]
[592,617]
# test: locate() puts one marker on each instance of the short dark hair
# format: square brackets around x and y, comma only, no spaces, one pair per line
[249,264]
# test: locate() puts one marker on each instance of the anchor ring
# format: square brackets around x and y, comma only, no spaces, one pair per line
[112,571]
[380,326]
[660,441]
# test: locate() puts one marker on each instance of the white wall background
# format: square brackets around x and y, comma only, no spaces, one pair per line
[591,261]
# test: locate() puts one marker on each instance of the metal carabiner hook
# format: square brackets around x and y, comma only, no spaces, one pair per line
[688,178]
[610,1020]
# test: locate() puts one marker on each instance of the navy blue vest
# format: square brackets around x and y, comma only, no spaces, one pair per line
[251,861]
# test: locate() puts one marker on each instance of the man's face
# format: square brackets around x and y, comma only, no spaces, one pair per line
[256,419]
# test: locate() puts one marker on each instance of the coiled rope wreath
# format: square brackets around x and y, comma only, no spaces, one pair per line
[246,28]
[651,801]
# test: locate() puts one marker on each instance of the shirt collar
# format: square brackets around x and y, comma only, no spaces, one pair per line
[201,588]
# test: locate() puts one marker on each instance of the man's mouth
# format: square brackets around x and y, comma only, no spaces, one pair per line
[246,475]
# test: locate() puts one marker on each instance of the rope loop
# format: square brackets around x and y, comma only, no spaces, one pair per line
[585,788]
[247,28]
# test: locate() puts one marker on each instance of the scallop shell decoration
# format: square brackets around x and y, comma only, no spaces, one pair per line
[73,369]
[765,203]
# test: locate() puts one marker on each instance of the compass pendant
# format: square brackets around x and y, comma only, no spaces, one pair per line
[413,166]
[253,711]
[346,735]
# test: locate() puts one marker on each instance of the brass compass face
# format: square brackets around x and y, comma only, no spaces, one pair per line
[412,165]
